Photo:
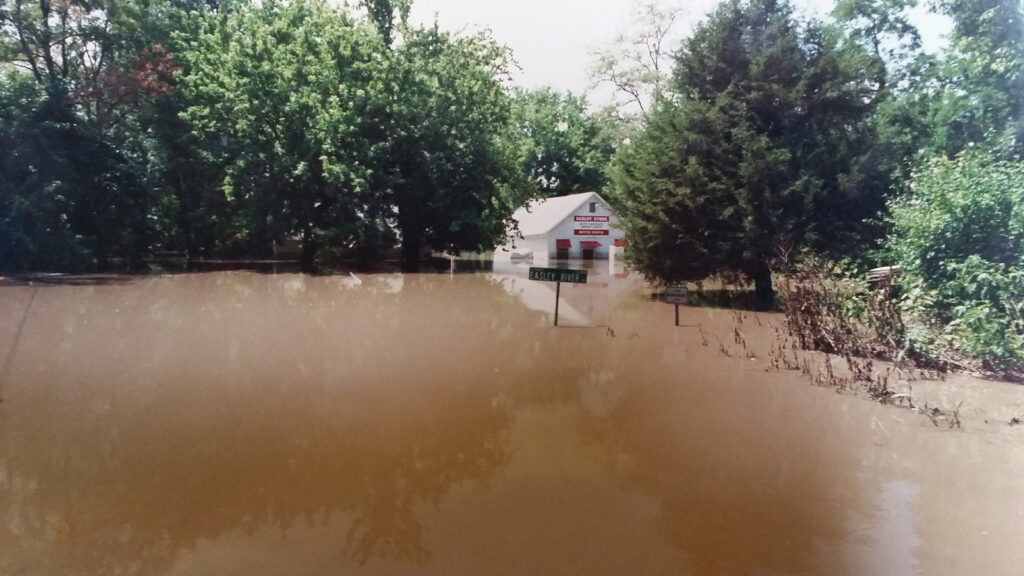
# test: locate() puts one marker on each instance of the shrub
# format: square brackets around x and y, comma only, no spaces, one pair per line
[959,237]
[987,303]
[829,308]
[970,206]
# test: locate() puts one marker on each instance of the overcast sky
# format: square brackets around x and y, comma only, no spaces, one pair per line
[552,39]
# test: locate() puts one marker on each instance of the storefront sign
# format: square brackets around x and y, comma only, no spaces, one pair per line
[591,225]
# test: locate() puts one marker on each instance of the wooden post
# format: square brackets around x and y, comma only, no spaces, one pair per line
[677,314]
[558,295]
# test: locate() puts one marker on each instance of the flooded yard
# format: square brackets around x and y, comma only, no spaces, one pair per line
[244,423]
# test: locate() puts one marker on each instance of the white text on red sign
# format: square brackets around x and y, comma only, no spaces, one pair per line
[592,219]
[590,232]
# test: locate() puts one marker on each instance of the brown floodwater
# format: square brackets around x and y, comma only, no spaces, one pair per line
[244,424]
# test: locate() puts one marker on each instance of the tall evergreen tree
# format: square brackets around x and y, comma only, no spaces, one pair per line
[767,148]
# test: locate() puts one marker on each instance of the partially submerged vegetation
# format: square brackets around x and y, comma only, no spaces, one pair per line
[959,236]
[784,146]
[838,315]
[830,350]
[959,299]
[880,338]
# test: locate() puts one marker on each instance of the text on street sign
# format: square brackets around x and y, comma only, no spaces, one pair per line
[559,275]
[676,295]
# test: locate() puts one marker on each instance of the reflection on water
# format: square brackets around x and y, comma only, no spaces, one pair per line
[581,304]
[239,423]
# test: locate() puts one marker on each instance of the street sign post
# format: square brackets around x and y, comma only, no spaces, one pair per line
[558,275]
[677,295]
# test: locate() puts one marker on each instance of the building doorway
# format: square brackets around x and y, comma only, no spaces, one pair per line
[562,247]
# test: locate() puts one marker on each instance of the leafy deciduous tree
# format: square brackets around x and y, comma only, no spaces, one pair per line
[285,95]
[982,77]
[450,167]
[637,64]
[566,149]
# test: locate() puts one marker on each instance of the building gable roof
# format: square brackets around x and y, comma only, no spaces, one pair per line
[539,217]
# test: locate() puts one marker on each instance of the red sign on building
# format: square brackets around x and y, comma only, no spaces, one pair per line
[592,219]
[589,232]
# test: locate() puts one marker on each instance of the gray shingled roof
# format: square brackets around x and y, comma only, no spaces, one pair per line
[538,217]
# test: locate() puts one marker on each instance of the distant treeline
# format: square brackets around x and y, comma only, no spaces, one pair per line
[131,127]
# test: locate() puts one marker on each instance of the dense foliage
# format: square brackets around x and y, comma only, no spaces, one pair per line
[450,168]
[981,78]
[959,237]
[273,93]
[66,194]
[780,137]
[564,148]
[766,147]
[231,128]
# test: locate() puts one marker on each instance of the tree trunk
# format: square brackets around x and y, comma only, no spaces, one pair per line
[764,293]
[309,249]
[367,256]
[411,254]
[101,254]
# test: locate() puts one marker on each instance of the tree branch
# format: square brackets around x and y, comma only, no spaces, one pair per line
[25,48]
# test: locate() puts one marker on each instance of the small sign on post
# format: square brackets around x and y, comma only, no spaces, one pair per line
[676,294]
[558,275]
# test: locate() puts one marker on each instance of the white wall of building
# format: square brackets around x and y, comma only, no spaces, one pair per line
[577,229]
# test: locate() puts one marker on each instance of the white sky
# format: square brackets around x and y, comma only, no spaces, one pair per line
[552,39]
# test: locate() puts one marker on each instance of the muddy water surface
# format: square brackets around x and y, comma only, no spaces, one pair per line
[240,423]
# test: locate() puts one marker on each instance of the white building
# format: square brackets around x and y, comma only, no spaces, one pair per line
[579,226]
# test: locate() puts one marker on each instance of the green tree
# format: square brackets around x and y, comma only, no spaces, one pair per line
[891,43]
[449,171]
[285,95]
[108,56]
[388,15]
[68,199]
[981,78]
[881,40]
[565,148]
[104,70]
[767,148]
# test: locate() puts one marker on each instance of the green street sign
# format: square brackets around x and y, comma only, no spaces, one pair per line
[559,275]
